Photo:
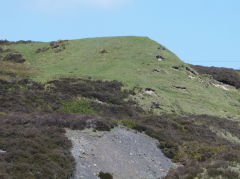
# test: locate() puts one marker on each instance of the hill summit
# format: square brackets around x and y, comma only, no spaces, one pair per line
[164,83]
[69,107]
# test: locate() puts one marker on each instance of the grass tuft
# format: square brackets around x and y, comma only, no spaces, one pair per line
[80,106]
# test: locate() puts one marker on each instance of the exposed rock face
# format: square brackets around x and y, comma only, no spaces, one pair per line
[121,153]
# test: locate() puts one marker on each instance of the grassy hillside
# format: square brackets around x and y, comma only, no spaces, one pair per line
[174,86]
[132,81]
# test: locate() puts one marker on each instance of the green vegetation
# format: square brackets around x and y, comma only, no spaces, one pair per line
[29,120]
[33,151]
[105,175]
[129,123]
[99,83]
[80,106]
[36,144]
[132,61]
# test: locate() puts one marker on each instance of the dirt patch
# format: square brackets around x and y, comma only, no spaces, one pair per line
[180,87]
[150,91]
[191,77]
[160,58]
[191,71]
[224,87]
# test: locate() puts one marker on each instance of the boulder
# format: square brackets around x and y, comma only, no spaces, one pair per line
[2,152]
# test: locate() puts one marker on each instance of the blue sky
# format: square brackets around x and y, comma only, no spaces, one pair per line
[205,32]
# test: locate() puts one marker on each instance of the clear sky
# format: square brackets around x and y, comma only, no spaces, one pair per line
[205,32]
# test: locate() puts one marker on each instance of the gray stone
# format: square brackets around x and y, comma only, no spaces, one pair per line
[2,152]
[137,156]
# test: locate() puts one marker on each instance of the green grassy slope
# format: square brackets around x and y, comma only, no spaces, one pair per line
[132,60]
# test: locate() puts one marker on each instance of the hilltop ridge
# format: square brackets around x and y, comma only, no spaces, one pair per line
[165,83]
[48,89]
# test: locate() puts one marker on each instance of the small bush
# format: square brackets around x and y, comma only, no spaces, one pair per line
[33,150]
[15,57]
[105,175]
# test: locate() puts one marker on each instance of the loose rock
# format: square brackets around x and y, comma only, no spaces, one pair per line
[2,152]
[137,156]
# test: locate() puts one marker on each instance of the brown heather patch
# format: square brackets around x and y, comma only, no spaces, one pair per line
[224,75]
[32,129]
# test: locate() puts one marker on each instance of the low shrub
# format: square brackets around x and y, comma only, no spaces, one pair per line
[224,75]
[33,151]
[6,42]
[129,123]
[36,145]
[14,57]
[103,175]
[35,114]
